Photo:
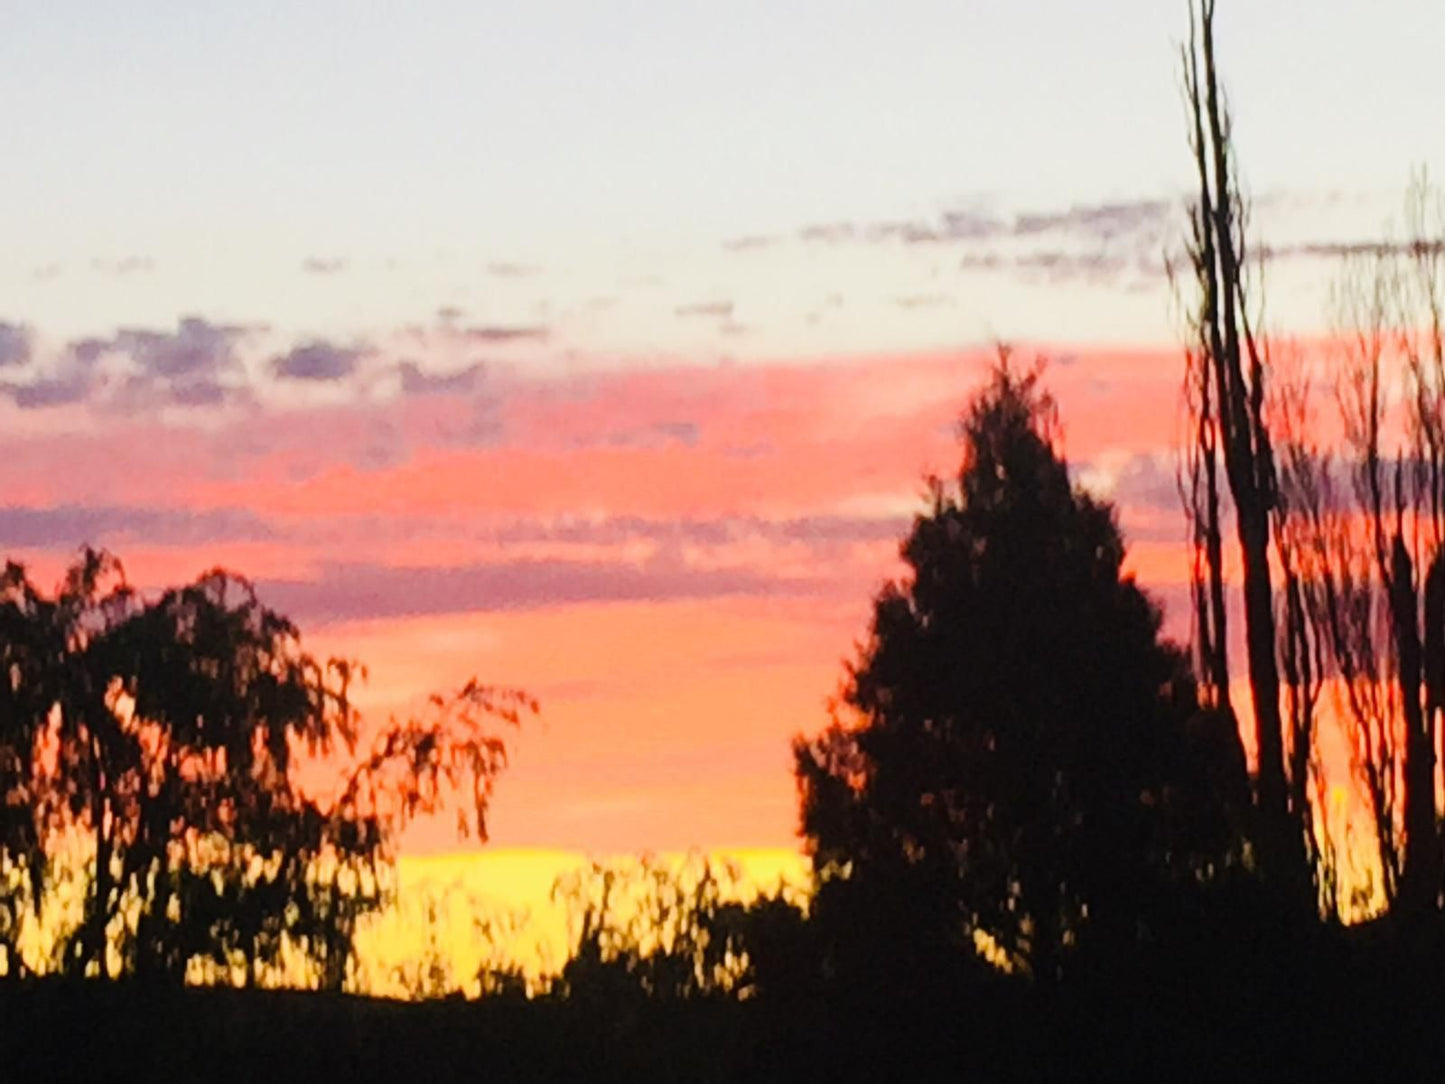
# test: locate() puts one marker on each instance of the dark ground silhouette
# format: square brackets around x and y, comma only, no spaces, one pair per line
[1355,1004]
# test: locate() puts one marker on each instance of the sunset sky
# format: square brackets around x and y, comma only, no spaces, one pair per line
[601,349]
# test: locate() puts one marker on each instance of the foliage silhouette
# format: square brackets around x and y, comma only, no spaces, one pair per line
[647,929]
[1364,513]
[159,739]
[1018,715]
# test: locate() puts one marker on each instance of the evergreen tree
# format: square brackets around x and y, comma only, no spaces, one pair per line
[1016,712]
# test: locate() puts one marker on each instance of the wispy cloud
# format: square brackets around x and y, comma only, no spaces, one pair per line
[619,530]
[1098,221]
[1061,266]
[345,592]
[70,526]
[1101,222]
[505,333]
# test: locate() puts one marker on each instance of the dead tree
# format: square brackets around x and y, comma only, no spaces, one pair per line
[1391,390]
[1228,369]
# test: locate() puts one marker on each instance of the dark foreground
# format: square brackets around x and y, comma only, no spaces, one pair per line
[1348,1005]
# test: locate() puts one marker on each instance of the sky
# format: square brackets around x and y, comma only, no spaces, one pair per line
[602,349]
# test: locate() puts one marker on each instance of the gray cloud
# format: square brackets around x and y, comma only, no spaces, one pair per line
[1058,266]
[73,387]
[69,526]
[910,233]
[86,352]
[186,367]
[506,270]
[194,365]
[15,344]
[196,348]
[316,361]
[1101,222]
[964,225]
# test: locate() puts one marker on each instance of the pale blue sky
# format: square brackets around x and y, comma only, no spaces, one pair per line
[229,141]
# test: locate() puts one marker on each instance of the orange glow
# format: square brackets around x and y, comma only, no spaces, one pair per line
[668,708]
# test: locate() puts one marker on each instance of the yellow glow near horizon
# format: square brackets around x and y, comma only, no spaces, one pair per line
[454,913]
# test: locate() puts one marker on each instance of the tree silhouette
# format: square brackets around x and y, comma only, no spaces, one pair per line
[1230,451]
[24,656]
[675,932]
[1017,713]
[1365,514]
[160,741]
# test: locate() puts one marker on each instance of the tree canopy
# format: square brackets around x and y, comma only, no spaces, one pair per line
[1014,709]
[153,746]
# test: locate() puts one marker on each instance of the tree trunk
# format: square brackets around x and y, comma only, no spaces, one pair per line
[1421,877]
[1232,356]
[101,888]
